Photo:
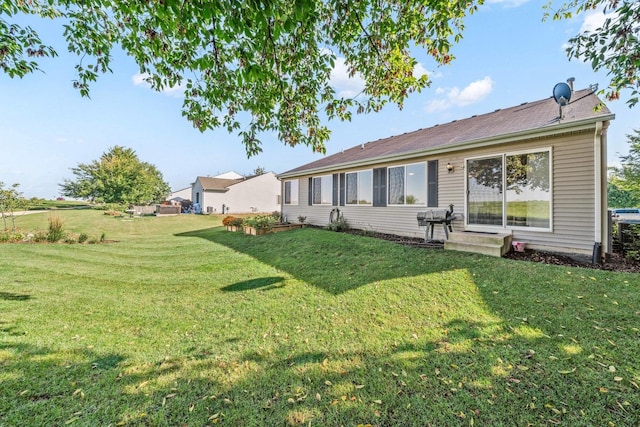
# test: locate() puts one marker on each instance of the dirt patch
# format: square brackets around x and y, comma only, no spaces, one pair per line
[616,261]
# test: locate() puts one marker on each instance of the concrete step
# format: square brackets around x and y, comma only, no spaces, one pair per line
[493,244]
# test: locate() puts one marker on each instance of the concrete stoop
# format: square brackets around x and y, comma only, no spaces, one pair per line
[493,244]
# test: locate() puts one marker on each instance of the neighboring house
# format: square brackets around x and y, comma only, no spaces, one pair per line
[523,171]
[259,193]
[180,195]
[230,175]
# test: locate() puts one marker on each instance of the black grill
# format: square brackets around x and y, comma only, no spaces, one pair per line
[430,218]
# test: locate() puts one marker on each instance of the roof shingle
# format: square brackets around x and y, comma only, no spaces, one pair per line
[538,115]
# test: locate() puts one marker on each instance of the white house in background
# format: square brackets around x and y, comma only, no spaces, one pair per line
[230,175]
[180,195]
[232,193]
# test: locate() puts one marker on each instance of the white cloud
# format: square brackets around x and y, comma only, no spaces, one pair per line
[419,71]
[350,87]
[344,85]
[456,97]
[140,79]
[594,20]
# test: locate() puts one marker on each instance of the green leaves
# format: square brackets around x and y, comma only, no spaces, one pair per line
[118,177]
[254,66]
[613,46]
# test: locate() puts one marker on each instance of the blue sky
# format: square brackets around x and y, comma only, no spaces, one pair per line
[507,56]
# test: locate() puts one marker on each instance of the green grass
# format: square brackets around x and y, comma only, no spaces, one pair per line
[179,322]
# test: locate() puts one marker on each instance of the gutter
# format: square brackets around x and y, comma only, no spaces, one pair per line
[601,240]
[466,145]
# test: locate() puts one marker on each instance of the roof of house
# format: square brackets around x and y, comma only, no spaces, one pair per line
[223,184]
[229,175]
[217,184]
[527,118]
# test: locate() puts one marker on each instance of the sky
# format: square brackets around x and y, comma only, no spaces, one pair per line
[507,56]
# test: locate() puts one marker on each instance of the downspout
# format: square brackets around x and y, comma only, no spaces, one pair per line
[600,154]
[281,199]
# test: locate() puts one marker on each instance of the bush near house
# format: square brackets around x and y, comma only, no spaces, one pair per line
[228,221]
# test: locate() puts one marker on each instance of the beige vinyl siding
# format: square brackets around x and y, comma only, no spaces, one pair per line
[573,193]
[316,215]
[398,220]
[573,215]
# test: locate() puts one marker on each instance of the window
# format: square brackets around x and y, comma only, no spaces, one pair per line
[512,190]
[322,190]
[408,184]
[528,195]
[359,188]
[291,192]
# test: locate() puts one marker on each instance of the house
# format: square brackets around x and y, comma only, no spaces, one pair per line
[535,172]
[180,195]
[233,193]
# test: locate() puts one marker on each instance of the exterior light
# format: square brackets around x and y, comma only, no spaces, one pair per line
[449,167]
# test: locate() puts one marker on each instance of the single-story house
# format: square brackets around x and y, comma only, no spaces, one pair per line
[234,193]
[536,172]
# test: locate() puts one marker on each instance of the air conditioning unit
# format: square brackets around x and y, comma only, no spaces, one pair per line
[209,209]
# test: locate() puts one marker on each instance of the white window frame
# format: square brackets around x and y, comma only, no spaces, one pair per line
[505,226]
[358,187]
[404,189]
[294,192]
[324,200]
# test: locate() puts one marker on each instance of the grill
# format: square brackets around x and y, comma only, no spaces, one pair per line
[430,218]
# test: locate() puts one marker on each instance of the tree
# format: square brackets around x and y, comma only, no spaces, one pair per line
[118,177]
[259,171]
[250,66]
[618,197]
[614,46]
[11,200]
[625,179]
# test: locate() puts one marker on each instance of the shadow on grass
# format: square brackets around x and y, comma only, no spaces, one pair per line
[47,386]
[334,262]
[10,296]
[264,283]
[473,368]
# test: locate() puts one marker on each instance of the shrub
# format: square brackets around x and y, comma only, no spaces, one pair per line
[83,237]
[56,232]
[238,222]
[40,236]
[228,220]
[301,219]
[631,241]
[260,222]
[276,216]
[338,225]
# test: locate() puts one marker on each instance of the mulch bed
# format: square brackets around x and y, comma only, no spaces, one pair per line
[616,261]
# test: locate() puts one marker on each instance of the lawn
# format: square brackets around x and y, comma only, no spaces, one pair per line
[177,321]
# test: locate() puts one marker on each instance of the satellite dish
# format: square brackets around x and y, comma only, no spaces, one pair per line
[562,94]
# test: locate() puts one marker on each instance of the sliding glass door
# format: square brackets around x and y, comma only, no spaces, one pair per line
[484,191]
[512,190]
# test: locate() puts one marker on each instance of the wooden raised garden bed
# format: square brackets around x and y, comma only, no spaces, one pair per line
[274,229]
